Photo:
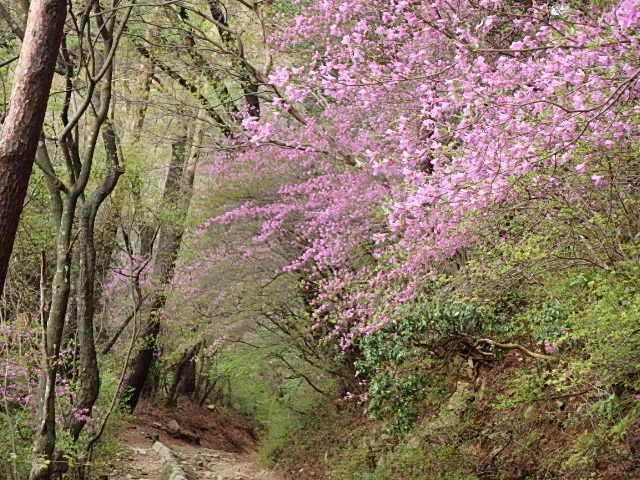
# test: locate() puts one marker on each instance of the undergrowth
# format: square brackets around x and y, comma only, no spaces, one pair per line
[435,410]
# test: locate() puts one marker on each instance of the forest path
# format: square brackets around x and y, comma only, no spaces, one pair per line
[209,445]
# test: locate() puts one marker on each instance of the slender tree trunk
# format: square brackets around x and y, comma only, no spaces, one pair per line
[145,90]
[23,124]
[176,199]
[89,375]
[184,378]
[44,438]
[248,84]
[44,441]
[106,234]
[13,24]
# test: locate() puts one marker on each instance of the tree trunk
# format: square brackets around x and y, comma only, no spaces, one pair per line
[176,199]
[249,85]
[184,379]
[105,238]
[44,462]
[44,437]
[89,375]
[23,124]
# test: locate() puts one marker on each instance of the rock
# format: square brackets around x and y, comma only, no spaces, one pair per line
[171,468]
[177,431]
[449,416]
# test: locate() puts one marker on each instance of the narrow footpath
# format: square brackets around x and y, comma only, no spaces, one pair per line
[204,444]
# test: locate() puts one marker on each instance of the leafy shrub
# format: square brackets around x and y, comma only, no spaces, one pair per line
[608,333]
[550,321]
[406,357]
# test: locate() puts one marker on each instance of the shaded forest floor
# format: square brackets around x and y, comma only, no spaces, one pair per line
[209,444]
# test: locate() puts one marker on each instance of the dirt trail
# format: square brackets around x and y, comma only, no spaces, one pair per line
[209,444]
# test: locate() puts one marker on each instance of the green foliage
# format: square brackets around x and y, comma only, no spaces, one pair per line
[286,7]
[588,316]
[523,389]
[355,461]
[606,330]
[406,357]
[549,321]
[284,437]
[614,425]
[15,431]
[420,462]
[442,455]
[279,400]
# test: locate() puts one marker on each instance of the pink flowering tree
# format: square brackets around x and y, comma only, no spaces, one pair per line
[424,130]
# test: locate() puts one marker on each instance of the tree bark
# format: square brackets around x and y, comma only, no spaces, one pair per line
[23,124]
[79,169]
[89,374]
[176,197]
[249,85]
[184,378]
[108,226]
[44,438]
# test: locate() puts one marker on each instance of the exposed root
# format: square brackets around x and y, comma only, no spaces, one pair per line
[515,346]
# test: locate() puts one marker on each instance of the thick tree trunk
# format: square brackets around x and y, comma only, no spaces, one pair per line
[23,124]
[188,379]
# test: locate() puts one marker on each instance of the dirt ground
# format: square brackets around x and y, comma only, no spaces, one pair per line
[209,443]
